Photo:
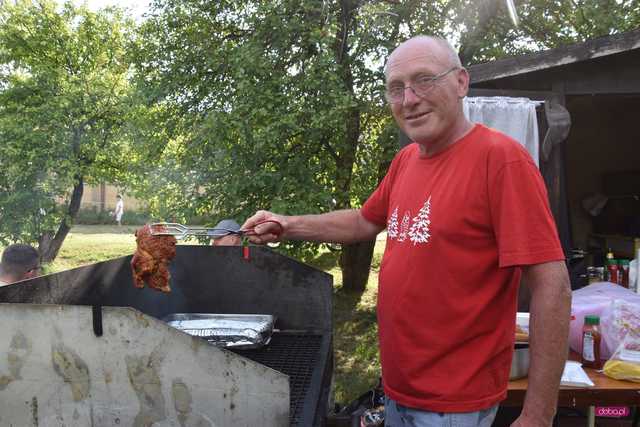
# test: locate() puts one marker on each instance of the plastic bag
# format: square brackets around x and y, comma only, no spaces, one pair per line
[618,308]
[617,320]
[625,362]
[633,275]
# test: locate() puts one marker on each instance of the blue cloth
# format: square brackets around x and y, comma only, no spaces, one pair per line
[396,415]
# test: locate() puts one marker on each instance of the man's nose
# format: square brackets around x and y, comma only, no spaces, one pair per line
[410,97]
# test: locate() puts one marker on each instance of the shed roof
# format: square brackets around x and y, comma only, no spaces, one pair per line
[594,48]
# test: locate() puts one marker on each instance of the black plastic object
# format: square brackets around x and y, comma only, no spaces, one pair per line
[97,320]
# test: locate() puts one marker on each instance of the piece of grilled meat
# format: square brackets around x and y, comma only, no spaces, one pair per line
[151,259]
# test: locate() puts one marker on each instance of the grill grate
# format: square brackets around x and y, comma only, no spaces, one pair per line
[295,355]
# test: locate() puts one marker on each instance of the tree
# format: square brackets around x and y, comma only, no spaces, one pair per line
[486,31]
[277,105]
[419,231]
[64,102]
[392,228]
[275,109]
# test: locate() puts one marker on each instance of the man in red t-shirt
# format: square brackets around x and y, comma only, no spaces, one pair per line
[467,217]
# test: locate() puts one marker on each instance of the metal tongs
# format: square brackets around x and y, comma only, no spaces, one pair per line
[180,231]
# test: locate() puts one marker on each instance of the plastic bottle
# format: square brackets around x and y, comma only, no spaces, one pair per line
[623,272]
[610,254]
[607,261]
[612,268]
[591,339]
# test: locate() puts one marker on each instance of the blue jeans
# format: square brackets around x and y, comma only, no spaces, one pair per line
[396,415]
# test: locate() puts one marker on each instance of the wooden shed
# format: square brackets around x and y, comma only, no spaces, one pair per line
[593,173]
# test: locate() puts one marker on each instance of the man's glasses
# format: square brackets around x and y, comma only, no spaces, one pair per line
[421,86]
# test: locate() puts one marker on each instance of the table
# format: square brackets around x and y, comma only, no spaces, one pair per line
[607,392]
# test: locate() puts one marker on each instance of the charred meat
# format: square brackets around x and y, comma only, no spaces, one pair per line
[151,259]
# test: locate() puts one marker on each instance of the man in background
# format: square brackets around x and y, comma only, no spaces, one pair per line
[119,210]
[226,228]
[19,262]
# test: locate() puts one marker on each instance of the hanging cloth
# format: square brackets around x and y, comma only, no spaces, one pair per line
[515,117]
[559,124]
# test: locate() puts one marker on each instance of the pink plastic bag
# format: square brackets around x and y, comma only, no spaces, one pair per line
[618,308]
[622,316]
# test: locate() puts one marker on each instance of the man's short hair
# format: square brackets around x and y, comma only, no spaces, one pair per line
[452,57]
[18,259]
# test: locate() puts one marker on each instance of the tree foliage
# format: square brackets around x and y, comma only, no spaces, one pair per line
[277,105]
[248,104]
[485,31]
[64,103]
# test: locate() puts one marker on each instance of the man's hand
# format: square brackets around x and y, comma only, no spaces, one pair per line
[526,421]
[268,227]
[343,226]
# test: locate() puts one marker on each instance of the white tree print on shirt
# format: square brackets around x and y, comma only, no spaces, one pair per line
[392,225]
[419,232]
[404,227]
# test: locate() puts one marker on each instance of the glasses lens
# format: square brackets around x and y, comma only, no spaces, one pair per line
[422,87]
[394,96]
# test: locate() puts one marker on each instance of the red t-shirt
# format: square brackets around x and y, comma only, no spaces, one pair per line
[458,225]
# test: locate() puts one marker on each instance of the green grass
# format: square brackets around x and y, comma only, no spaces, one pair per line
[87,244]
[355,329]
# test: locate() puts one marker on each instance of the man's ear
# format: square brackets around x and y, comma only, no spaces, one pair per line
[30,274]
[463,82]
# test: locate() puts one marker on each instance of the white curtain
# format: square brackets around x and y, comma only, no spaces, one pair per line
[514,116]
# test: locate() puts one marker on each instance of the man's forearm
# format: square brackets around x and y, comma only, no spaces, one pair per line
[549,331]
[344,226]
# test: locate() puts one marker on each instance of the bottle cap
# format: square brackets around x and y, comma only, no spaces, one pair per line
[612,261]
[591,319]
[623,261]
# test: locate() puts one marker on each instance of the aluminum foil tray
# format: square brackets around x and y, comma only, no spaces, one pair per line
[226,330]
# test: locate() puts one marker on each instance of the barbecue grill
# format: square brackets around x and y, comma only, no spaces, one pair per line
[96,349]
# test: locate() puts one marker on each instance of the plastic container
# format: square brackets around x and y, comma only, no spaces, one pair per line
[612,268]
[519,362]
[623,272]
[591,339]
[609,259]
[610,254]
[592,275]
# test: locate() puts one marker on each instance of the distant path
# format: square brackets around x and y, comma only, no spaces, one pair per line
[104,229]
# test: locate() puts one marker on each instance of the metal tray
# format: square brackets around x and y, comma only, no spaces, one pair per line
[519,362]
[226,330]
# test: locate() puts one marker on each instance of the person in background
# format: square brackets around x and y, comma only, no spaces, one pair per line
[119,210]
[223,227]
[467,216]
[19,262]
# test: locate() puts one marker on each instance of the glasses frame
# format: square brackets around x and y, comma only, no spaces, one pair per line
[431,81]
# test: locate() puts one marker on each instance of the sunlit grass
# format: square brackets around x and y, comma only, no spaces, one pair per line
[355,335]
[89,244]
